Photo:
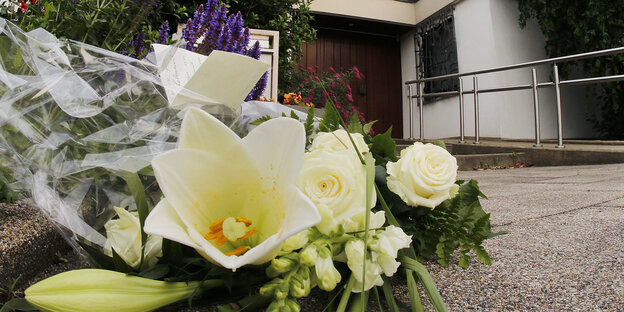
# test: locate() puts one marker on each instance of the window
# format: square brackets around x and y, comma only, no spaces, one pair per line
[436,51]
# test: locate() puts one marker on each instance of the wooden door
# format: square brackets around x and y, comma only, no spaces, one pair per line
[378,94]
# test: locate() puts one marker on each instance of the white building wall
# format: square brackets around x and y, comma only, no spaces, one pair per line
[488,35]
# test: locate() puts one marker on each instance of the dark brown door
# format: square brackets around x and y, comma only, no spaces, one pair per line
[378,94]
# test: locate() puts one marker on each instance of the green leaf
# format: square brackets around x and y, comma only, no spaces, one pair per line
[412,287]
[19,304]
[96,256]
[383,146]
[172,251]
[260,120]
[368,126]
[156,272]
[137,190]
[331,118]
[427,282]
[346,293]
[120,264]
[294,115]
[440,143]
[358,303]
[378,299]
[309,122]
[355,125]
[388,295]
[483,255]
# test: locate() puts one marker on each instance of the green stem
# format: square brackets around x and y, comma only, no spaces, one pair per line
[344,300]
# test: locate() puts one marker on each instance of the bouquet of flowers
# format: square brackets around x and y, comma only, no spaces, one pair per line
[173,203]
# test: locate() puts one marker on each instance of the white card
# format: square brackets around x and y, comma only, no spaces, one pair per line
[220,78]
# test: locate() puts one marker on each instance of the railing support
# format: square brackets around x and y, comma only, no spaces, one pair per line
[536,108]
[421,90]
[475,83]
[558,95]
[461,110]
[410,102]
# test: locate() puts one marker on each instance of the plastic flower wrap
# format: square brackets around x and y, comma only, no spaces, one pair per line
[76,120]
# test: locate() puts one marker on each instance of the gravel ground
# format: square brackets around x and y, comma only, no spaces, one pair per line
[564,250]
[28,242]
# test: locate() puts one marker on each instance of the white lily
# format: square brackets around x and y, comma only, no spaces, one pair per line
[234,200]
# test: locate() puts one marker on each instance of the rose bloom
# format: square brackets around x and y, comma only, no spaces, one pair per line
[334,178]
[424,175]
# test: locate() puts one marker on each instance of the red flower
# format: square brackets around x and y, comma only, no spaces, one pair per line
[23,6]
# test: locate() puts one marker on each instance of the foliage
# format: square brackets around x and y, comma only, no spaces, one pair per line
[212,29]
[317,88]
[458,223]
[128,27]
[572,27]
[290,17]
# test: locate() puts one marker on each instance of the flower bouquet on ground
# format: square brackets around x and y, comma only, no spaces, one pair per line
[189,202]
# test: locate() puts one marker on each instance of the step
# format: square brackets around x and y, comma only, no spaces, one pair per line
[547,154]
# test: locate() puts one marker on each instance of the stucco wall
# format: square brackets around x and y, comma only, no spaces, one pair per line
[488,35]
[380,10]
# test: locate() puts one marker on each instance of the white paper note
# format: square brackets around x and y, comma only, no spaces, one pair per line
[220,78]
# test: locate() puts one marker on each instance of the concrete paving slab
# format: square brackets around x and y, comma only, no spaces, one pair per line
[566,262]
[565,249]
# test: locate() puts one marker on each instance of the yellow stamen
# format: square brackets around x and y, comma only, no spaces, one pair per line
[243,220]
[238,251]
[249,233]
[217,225]
[216,234]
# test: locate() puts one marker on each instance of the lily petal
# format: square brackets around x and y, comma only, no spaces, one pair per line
[282,158]
[202,131]
[164,221]
[192,179]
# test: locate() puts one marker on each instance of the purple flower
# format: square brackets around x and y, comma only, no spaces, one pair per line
[254,52]
[163,33]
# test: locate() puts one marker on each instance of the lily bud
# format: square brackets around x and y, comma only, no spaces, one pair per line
[268,290]
[327,275]
[308,256]
[102,290]
[282,265]
[300,283]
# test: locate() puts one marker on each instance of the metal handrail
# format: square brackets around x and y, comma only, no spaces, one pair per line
[534,86]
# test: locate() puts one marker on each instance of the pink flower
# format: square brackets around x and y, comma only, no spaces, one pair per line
[337,75]
[333,84]
[349,97]
[332,69]
[357,72]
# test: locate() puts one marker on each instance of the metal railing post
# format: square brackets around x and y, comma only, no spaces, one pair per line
[461,110]
[536,107]
[475,83]
[411,111]
[558,95]
[421,90]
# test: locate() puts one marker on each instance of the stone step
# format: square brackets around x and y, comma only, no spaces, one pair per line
[574,152]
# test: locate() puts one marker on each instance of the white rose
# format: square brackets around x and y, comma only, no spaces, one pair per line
[423,176]
[124,235]
[335,179]
[339,141]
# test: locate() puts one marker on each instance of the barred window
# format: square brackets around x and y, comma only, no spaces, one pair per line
[436,51]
